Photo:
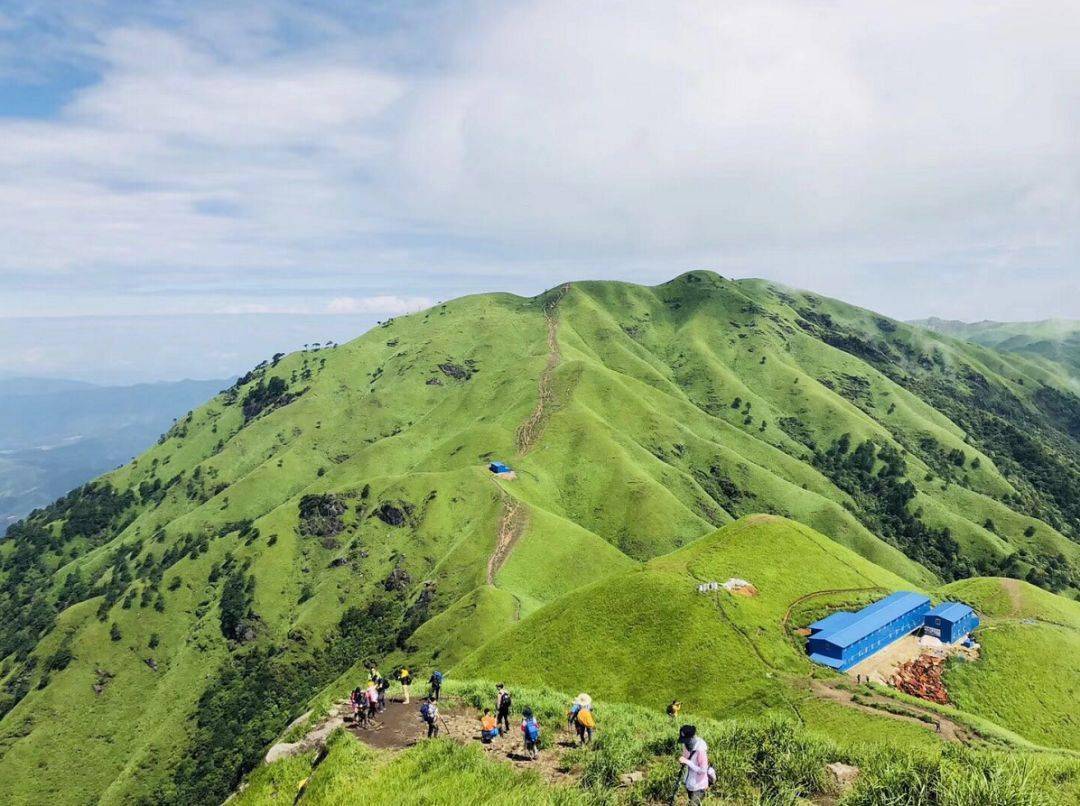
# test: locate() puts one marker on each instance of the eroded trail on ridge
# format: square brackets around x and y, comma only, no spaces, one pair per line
[511,526]
[530,430]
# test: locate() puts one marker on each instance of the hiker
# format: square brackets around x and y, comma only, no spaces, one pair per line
[354,700]
[405,679]
[503,701]
[674,708]
[372,695]
[435,681]
[429,712]
[382,685]
[488,729]
[373,672]
[697,774]
[581,717]
[530,729]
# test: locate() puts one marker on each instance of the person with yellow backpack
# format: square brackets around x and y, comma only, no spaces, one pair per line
[581,715]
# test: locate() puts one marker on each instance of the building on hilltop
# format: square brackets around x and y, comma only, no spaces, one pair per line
[950,621]
[843,639]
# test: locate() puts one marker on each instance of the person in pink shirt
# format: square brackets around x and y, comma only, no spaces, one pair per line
[695,761]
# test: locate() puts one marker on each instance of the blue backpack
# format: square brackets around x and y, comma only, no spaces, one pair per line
[532,730]
[425,711]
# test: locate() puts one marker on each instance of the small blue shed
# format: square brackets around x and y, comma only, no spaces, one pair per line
[950,621]
[499,467]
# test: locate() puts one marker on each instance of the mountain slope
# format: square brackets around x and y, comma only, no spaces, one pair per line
[1052,339]
[335,505]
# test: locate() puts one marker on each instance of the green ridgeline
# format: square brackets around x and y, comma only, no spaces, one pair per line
[335,504]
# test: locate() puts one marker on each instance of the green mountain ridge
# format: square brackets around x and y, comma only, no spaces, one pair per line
[1056,340]
[335,504]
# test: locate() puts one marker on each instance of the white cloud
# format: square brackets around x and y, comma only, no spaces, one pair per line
[385,304]
[854,148]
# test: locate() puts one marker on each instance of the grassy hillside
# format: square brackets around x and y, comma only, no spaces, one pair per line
[648,636]
[1052,339]
[334,505]
[759,761]
[1027,679]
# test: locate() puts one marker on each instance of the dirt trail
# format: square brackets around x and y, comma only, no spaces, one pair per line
[511,527]
[1012,588]
[949,730]
[400,727]
[532,428]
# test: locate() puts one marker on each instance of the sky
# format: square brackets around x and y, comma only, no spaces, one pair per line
[175,175]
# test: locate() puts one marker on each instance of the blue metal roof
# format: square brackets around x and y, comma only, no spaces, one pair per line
[873,617]
[833,621]
[950,611]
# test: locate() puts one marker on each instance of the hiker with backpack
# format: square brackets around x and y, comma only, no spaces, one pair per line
[530,729]
[429,712]
[381,687]
[503,701]
[405,679]
[488,729]
[371,694]
[584,721]
[355,700]
[696,775]
[435,681]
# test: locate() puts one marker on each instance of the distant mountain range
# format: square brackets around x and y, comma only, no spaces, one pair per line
[1053,339]
[56,434]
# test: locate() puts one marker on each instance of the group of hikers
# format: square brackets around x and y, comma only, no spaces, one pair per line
[695,775]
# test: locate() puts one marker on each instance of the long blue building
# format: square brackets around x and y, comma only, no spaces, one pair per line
[843,639]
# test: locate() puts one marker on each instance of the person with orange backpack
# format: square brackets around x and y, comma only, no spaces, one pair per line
[581,716]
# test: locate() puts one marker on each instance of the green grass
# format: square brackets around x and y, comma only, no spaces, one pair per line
[648,636]
[641,454]
[1026,677]
[758,761]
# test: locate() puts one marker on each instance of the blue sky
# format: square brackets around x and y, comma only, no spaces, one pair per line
[359,160]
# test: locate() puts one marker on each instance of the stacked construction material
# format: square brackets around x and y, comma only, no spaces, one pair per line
[922,678]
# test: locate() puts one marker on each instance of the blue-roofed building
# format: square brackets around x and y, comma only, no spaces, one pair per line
[950,621]
[499,467]
[843,639]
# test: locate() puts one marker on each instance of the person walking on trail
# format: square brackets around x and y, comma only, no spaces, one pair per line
[697,774]
[503,702]
[405,679]
[429,712]
[488,728]
[435,681]
[355,700]
[372,695]
[585,724]
[382,685]
[530,729]
[373,672]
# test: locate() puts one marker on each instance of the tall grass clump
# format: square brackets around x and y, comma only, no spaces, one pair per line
[960,776]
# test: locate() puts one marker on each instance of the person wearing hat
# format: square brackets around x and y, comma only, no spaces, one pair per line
[695,760]
[582,718]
